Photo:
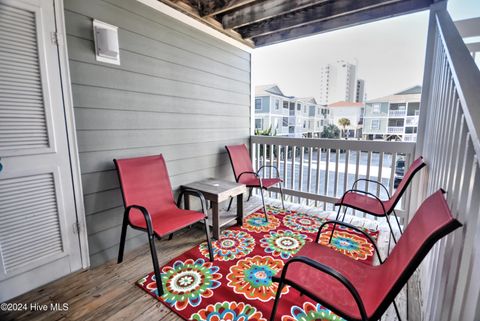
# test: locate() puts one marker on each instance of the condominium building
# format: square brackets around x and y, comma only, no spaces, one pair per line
[338,82]
[393,117]
[288,115]
[360,94]
[352,111]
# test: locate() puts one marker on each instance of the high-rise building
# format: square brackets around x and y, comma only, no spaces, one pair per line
[360,95]
[338,82]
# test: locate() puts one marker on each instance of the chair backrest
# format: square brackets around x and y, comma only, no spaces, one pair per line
[144,181]
[416,166]
[432,221]
[240,159]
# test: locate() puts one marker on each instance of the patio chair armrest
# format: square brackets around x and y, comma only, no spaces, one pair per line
[194,192]
[371,181]
[330,271]
[269,166]
[366,193]
[145,214]
[353,227]
[252,173]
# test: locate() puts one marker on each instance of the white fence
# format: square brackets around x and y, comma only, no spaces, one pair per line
[449,141]
[320,170]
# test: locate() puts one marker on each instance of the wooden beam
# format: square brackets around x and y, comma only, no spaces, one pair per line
[265,10]
[318,13]
[228,6]
[379,13]
[209,21]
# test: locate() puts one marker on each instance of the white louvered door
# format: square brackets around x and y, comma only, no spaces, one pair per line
[38,238]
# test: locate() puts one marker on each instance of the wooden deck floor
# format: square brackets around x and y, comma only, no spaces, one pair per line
[108,292]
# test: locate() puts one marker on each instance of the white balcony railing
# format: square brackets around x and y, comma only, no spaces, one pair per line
[397,113]
[449,139]
[395,130]
[320,170]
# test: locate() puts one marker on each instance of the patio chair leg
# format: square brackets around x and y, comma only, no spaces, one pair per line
[396,311]
[277,299]
[249,193]
[209,243]
[398,222]
[336,219]
[122,238]
[281,194]
[264,207]
[230,204]
[156,268]
[170,236]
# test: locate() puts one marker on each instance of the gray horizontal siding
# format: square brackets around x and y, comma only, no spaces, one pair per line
[177,91]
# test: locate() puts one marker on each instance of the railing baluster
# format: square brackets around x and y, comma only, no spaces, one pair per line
[345,176]
[309,172]
[319,157]
[335,184]
[279,155]
[285,170]
[380,168]
[292,183]
[300,173]
[367,176]
[327,174]
[393,168]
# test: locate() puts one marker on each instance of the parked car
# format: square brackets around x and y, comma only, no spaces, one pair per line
[399,171]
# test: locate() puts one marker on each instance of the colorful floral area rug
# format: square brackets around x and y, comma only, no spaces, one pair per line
[238,285]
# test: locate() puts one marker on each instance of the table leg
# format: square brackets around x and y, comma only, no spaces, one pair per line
[240,209]
[215,219]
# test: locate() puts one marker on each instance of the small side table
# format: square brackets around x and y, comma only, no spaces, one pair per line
[217,191]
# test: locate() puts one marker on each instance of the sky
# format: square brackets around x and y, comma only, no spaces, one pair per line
[389,53]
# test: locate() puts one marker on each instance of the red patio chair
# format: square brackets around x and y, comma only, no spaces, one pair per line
[150,207]
[244,173]
[355,290]
[371,204]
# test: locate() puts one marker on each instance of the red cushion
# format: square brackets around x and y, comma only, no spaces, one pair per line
[167,221]
[255,182]
[365,203]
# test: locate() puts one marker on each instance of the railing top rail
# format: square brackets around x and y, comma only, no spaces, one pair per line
[360,145]
[465,74]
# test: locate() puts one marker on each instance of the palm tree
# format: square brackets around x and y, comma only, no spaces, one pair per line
[344,122]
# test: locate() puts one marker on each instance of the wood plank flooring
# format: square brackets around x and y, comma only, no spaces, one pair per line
[107,292]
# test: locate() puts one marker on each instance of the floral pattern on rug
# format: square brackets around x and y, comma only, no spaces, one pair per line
[352,245]
[256,223]
[228,311]
[311,312]
[231,245]
[252,277]
[302,222]
[238,285]
[283,243]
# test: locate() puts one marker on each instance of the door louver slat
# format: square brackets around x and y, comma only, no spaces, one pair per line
[20,83]
[43,228]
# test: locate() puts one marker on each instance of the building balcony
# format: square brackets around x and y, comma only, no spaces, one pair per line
[395,130]
[397,113]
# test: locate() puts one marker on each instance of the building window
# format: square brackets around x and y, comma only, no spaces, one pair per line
[410,130]
[304,124]
[375,125]
[285,104]
[285,121]
[277,104]
[299,107]
[318,123]
[258,103]
[258,123]
[413,109]
[396,122]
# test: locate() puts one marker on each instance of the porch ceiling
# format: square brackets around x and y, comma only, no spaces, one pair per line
[264,22]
